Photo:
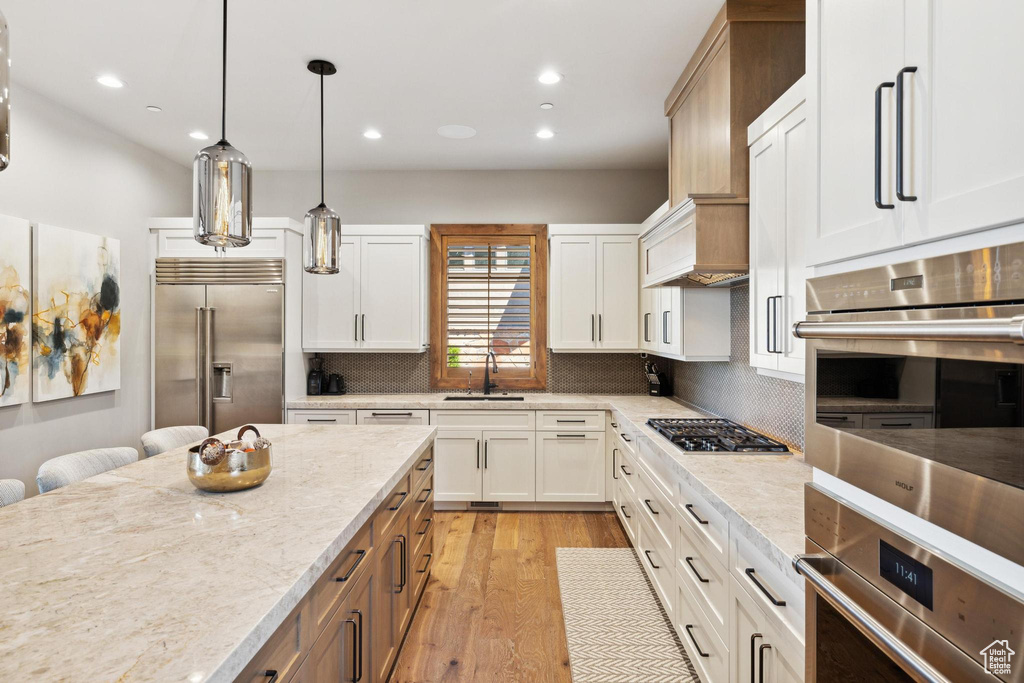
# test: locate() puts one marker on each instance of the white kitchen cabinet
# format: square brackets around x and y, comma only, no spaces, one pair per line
[964,152]
[570,466]
[693,323]
[962,163]
[650,326]
[779,175]
[758,649]
[593,302]
[377,302]
[475,465]
[509,472]
[326,417]
[457,461]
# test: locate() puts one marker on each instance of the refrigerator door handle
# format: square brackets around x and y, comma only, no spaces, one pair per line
[200,417]
[206,383]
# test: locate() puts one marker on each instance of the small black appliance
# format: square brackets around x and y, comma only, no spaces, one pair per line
[315,378]
[335,384]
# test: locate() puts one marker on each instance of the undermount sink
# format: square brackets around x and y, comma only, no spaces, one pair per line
[481,397]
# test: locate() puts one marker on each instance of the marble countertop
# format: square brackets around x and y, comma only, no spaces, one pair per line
[134,575]
[762,496]
[855,404]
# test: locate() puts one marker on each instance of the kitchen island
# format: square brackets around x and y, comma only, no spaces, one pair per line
[134,575]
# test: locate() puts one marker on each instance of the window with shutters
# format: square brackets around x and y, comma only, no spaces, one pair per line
[488,290]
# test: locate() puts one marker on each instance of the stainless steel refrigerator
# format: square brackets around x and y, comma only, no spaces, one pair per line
[218,342]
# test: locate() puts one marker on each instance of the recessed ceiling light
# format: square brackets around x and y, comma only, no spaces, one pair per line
[110,81]
[198,135]
[550,77]
[545,133]
[153,107]
[371,134]
[547,105]
[456,132]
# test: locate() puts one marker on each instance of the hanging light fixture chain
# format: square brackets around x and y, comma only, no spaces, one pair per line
[224,77]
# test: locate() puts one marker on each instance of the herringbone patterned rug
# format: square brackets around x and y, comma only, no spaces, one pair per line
[616,629]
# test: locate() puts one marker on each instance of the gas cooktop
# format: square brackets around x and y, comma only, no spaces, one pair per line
[714,434]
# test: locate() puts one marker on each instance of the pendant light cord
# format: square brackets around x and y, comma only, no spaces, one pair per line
[224,77]
[321,138]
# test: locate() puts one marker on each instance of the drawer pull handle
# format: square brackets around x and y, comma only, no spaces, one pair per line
[360,554]
[426,526]
[614,453]
[749,571]
[390,414]
[426,566]
[400,539]
[689,508]
[648,554]
[760,661]
[321,419]
[272,673]
[689,561]
[897,424]
[689,632]
[624,513]
[625,471]
[403,494]
[615,426]
[426,497]
[572,421]
[571,436]
[753,637]
[426,465]
[357,669]
[647,502]
[625,438]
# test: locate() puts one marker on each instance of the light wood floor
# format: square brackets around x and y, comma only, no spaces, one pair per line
[492,610]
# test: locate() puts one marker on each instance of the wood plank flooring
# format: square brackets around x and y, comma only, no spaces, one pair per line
[491,610]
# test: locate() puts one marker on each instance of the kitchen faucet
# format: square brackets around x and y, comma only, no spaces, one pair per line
[488,385]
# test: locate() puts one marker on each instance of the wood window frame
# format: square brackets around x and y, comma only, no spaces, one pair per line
[538,234]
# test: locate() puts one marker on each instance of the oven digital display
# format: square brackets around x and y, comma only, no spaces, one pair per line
[912,282]
[906,573]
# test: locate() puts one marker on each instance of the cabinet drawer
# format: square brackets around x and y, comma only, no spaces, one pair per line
[628,515]
[707,524]
[897,421]
[284,651]
[483,419]
[570,466]
[705,576]
[655,465]
[340,417]
[423,467]
[396,503]
[623,440]
[576,420]
[658,562]
[777,594]
[627,474]
[707,650]
[423,558]
[392,417]
[423,510]
[655,509]
[344,572]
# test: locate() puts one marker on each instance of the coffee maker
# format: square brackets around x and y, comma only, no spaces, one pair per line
[315,379]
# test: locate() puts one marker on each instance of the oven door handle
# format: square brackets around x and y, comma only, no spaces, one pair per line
[999,330]
[877,633]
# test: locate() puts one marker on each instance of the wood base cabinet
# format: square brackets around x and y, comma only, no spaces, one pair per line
[351,624]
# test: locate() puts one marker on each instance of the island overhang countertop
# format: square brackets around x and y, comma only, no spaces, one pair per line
[134,575]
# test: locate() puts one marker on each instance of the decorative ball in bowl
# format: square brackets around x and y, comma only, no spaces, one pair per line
[221,466]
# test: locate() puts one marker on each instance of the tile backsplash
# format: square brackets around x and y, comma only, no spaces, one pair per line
[735,391]
[568,373]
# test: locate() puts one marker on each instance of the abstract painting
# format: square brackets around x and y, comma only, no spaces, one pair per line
[76,319]
[15,323]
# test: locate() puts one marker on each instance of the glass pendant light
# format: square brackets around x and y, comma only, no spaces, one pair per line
[323,225]
[5,95]
[222,182]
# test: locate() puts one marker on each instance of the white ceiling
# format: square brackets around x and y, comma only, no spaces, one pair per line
[406,67]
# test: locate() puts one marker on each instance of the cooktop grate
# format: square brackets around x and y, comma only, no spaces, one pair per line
[715,435]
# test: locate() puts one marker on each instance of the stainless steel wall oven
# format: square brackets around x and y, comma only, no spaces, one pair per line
[915,389]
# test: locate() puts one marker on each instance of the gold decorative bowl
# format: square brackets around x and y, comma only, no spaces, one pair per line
[229,466]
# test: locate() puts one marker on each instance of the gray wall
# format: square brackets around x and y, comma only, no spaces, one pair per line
[424,197]
[69,172]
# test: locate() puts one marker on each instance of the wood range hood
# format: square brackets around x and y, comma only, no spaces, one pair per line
[752,53]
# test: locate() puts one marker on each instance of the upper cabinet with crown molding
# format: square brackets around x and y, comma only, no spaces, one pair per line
[939,71]
[751,54]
